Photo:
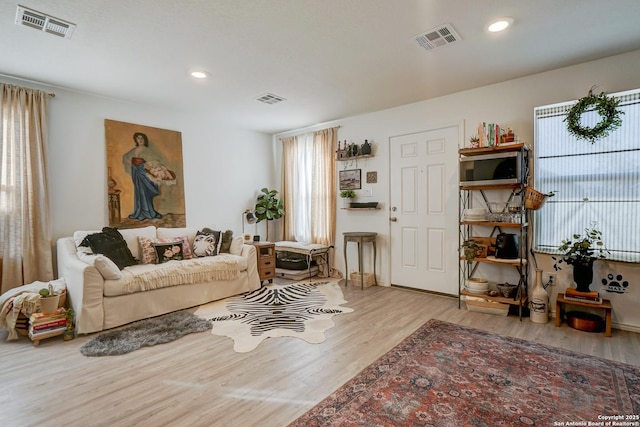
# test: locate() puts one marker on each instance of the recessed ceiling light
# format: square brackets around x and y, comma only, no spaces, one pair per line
[199,74]
[499,24]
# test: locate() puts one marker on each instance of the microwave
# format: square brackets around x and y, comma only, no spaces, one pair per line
[491,169]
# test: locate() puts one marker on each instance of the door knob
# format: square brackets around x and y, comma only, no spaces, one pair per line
[393,219]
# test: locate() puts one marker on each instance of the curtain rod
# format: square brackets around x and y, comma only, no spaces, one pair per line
[51,94]
[330,127]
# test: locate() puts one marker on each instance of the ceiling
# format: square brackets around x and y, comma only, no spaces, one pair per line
[328,58]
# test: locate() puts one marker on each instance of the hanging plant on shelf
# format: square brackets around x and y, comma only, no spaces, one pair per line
[607,108]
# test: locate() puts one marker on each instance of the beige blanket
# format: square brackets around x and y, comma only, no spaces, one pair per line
[174,273]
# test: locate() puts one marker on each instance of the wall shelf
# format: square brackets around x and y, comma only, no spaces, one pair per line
[344,159]
[361,209]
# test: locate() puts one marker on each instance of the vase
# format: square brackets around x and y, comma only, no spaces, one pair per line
[365,149]
[583,276]
[539,301]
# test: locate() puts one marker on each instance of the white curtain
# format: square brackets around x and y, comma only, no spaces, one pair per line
[309,187]
[25,225]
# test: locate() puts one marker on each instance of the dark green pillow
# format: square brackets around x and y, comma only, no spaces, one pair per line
[111,244]
[225,245]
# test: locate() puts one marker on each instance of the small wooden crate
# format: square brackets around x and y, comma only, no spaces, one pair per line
[367,279]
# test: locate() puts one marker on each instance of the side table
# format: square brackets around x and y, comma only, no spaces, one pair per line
[360,238]
[606,306]
[266,252]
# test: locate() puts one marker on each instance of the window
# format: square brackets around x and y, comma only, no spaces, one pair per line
[595,184]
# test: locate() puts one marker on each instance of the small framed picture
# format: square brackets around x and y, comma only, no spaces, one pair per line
[372,177]
[351,179]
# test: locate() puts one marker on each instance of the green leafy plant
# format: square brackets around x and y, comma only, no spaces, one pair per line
[46,292]
[268,207]
[348,194]
[474,138]
[470,250]
[581,249]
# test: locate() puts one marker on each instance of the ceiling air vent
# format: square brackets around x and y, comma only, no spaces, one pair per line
[40,21]
[270,98]
[442,35]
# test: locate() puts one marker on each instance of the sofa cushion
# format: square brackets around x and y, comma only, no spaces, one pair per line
[111,244]
[167,233]
[206,243]
[107,268]
[135,277]
[236,246]
[148,252]
[130,235]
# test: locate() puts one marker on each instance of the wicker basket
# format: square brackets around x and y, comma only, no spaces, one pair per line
[533,199]
[367,279]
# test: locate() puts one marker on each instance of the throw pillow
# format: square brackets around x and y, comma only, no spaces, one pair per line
[236,246]
[225,243]
[148,253]
[206,243]
[111,244]
[107,268]
[168,251]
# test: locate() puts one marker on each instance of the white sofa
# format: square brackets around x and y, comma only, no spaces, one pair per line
[101,303]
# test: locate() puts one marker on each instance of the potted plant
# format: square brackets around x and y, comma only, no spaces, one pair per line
[347,196]
[581,251]
[474,141]
[48,300]
[470,250]
[268,207]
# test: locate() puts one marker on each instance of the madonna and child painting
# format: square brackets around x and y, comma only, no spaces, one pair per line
[145,176]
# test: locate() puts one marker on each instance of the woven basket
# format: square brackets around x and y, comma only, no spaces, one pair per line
[533,199]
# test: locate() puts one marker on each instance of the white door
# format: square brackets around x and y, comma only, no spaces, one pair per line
[424,210]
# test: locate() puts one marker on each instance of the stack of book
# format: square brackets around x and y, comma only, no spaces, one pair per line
[591,297]
[42,325]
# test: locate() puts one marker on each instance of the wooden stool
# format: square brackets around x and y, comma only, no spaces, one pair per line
[606,306]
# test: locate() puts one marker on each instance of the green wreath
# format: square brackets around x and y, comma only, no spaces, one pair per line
[606,107]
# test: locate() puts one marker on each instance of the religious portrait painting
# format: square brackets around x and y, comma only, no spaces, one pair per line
[145,179]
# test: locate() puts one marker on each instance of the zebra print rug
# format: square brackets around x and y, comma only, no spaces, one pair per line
[301,310]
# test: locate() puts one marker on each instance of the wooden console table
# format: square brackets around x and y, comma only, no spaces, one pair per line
[360,238]
[606,306]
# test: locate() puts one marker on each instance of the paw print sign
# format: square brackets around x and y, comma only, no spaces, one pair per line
[615,284]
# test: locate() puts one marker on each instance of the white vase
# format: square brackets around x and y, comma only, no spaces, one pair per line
[539,301]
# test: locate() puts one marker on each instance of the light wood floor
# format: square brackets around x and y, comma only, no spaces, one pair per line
[200,381]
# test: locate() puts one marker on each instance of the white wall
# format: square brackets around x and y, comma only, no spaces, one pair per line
[224,167]
[508,103]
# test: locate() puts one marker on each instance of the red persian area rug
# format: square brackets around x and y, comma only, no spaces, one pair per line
[450,375]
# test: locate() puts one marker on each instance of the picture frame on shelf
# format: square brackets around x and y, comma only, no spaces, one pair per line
[351,179]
